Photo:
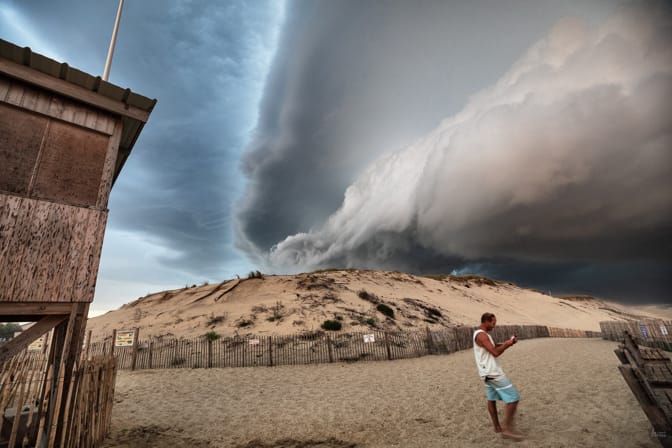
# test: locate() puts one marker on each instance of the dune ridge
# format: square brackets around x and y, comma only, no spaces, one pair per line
[285,304]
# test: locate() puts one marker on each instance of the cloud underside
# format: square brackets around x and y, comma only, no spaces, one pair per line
[564,164]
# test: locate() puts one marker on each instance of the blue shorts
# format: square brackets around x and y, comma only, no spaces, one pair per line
[501,388]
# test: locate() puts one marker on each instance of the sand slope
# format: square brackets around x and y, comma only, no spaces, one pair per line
[290,304]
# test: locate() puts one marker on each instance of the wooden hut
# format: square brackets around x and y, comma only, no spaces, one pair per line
[64,138]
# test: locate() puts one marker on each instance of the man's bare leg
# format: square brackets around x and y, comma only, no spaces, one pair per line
[492,409]
[508,429]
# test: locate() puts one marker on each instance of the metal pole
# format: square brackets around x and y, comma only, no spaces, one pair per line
[110,51]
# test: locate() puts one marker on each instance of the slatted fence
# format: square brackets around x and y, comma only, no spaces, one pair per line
[651,333]
[310,347]
[26,395]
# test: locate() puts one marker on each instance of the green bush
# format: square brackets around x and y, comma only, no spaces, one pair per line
[212,335]
[386,310]
[331,325]
[368,297]
[7,330]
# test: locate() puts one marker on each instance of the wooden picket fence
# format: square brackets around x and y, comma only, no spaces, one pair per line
[650,333]
[309,347]
[26,384]
[570,333]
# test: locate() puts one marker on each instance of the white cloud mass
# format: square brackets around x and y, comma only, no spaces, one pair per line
[566,158]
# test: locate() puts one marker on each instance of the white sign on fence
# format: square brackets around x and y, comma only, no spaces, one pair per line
[644,330]
[369,338]
[254,342]
[36,345]
[663,329]
[124,338]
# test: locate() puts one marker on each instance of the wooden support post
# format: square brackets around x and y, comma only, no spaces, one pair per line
[270,351]
[62,351]
[135,348]
[151,352]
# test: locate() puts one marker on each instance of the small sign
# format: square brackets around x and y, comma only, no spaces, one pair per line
[369,338]
[663,329]
[124,338]
[36,345]
[644,331]
[254,341]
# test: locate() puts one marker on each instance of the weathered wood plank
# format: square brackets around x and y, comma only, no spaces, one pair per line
[15,93]
[4,88]
[107,175]
[72,91]
[33,308]
[51,244]
[30,98]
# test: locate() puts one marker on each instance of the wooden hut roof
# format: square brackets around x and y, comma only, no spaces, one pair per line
[134,109]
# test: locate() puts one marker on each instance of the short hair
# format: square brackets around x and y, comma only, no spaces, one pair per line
[487,317]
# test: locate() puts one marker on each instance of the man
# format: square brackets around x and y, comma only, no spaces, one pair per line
[497,384]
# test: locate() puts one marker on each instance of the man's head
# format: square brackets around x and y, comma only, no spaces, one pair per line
[488,321]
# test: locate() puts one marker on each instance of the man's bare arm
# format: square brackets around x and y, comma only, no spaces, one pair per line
[483,340]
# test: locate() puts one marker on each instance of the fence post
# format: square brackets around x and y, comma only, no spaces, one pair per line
[430,342]
[88,345]
[135,348]
[209,353]
[270,351]
[114,340]
[387,346]
[151,346]
[331,354]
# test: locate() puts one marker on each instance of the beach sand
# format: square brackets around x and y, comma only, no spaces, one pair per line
[572,395]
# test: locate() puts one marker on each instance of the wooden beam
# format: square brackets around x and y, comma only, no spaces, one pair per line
[632,349]
[655,415]
[20,342]
[70,90]
[34,308]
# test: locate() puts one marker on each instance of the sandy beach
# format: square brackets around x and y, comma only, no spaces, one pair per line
[572,395]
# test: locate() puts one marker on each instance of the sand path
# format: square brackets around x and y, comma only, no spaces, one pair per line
[572,395]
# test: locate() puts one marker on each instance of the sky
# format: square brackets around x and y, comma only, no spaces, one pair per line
[525,140]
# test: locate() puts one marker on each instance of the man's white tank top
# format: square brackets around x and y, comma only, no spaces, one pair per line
[487,364]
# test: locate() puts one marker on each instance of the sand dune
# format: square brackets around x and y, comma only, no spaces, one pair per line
[572,395]
[290,304]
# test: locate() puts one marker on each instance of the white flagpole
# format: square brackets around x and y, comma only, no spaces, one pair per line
[113,41]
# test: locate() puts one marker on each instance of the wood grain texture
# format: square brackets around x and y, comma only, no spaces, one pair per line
[20,138]
[29,98]
[49,252]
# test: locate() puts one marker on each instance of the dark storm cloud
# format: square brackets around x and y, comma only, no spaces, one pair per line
[201,60]
[558,174]
[356,79]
